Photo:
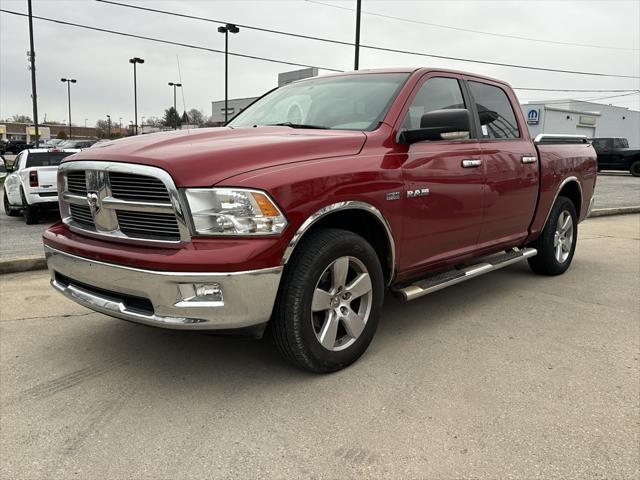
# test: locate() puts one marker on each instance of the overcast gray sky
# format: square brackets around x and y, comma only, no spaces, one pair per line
[99,61]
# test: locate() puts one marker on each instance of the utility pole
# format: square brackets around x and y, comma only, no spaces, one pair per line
[356,63]
[109,126]
[32,58]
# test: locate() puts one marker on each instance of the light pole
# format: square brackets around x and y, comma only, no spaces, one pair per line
[109,126]
[227,29]
[85,122]
[356,62]
[135,61]
[120,124]
[69,81]
[175,85]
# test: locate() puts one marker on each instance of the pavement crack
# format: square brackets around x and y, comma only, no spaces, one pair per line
[66,315]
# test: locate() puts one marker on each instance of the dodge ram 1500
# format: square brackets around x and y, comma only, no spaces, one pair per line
[298,215]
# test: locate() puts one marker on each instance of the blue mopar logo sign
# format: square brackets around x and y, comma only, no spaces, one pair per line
[533,116]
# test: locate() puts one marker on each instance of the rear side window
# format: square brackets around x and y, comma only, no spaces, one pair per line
[620,143]
[437,93]
[46,159]
[497,118]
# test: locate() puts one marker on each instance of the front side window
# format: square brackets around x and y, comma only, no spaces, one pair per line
[348,102]
[437,93]
[497,119]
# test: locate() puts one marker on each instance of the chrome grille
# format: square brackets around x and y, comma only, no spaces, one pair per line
[148,225]
[138,188]
[125,202]
[77,182]
[82,215]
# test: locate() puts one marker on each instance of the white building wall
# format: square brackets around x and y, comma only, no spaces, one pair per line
[575,117]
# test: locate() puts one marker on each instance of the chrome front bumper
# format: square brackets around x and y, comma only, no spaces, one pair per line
[165,299]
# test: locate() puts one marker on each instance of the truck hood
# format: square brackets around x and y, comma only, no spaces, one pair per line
[204,157]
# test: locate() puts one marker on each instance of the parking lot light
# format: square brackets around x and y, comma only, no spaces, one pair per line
[227,29]
[69,81]
[135,61]
[174,85]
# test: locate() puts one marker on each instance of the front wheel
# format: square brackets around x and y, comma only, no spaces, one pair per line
[635,169]
[557,243]
[329,302]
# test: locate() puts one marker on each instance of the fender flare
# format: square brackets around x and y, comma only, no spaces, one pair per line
[334,207]
[564,183]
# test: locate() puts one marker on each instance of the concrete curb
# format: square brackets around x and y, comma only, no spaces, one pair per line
[35,262]
[22,264]
[605,212]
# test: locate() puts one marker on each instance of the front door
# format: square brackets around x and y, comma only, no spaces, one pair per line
[443,183]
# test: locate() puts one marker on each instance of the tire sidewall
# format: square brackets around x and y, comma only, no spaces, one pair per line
[635,169]
[548,249]
[299,307]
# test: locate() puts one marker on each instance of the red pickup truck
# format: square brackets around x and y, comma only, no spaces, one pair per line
[297,216]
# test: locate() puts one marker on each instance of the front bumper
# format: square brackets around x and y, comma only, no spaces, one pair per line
[165,299]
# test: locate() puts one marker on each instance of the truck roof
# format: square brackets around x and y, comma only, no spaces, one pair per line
[420,70]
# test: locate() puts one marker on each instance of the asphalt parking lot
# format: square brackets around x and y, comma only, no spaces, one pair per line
[613,189]
[509,376]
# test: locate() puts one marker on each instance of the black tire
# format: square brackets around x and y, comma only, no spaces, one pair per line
[8,209]
[294,327]
[635,168]
[31,213]
[546,262]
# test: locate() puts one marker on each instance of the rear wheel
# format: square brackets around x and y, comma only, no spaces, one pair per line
[329,302]
[8,209]
[557,243]
[635,169]
[31,213]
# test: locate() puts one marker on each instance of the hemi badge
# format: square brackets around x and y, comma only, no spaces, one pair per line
[393,196]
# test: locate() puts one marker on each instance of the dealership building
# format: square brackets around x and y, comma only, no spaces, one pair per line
[583,118]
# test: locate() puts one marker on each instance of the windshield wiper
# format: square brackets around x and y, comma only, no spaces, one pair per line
[297,125]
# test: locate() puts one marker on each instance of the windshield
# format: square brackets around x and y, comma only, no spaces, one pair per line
[46,159]
[349,102]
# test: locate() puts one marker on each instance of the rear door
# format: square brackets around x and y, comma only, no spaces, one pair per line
[511,165]
[442,220]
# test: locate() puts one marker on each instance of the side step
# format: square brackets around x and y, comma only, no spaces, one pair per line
[442,280]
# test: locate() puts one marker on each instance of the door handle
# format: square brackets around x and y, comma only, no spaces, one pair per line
[529,159]
[471,163]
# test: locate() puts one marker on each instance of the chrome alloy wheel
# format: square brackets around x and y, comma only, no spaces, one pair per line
[341,303]
[563,238]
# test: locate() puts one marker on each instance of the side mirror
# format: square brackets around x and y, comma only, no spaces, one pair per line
[448,124]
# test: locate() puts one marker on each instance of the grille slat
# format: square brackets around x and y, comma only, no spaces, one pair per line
[129,186]
[77,182]
[148,224]
[82,214]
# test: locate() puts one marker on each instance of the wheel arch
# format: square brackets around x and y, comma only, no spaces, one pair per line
[358,217]
[571,189]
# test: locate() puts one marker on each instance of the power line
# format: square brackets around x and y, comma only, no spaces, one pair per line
[371,47]
[169,42]
[469,30]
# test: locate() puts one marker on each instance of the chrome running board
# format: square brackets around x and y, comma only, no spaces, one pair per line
[442,280]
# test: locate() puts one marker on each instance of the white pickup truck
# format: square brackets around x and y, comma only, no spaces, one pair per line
[32,185]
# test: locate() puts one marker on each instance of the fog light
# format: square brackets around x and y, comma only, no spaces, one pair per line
[200,294]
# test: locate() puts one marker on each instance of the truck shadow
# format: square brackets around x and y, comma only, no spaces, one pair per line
[194,360]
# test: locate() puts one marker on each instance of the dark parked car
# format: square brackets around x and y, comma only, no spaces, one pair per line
[615,154]
[13,146]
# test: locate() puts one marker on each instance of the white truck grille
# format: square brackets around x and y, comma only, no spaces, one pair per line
[125,202]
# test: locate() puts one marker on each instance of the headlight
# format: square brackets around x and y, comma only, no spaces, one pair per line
[233,211]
